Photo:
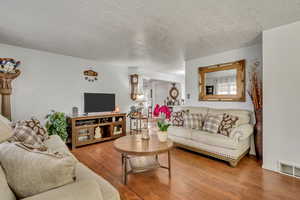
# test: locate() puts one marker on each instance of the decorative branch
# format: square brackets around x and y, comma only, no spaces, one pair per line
[255,90]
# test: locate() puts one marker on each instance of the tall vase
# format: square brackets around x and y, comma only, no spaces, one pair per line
[258,134]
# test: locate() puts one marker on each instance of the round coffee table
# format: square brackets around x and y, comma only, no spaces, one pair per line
[134,145]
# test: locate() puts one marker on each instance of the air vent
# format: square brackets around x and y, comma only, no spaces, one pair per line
[297,171]
[289,169]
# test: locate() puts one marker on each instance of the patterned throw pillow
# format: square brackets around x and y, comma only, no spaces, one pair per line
[212,123]
[35,125]
[193,121]
[227,124]
[26,135]
[177,118]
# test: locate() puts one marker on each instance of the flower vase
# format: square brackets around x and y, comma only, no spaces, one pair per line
[258,134]
[162,136]
[145,135]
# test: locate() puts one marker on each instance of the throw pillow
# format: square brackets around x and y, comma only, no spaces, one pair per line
[5,129]
[36,126]
[26,135]
[193,120]
[212,123]
[177,118]
[29,173]
[227,124]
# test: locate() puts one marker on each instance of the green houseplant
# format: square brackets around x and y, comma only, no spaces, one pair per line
[57,124]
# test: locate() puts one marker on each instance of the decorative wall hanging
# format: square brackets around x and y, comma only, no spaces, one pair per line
[8,72]
[227,79]
[134,81]
[90,75]
[174,93]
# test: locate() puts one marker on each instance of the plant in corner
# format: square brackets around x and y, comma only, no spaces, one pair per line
[57,124]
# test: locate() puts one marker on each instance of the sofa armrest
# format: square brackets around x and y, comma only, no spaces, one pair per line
[87,189]
[241,132]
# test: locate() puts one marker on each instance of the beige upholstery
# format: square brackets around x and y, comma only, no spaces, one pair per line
[56,143]
[200,110]
[28,169]
[243,115]
[224,152]
[76,191]
[216,140]
[180,132]
[107,190]
[97,187]
[245,131]
[228,147]
[5,129]
[5,191]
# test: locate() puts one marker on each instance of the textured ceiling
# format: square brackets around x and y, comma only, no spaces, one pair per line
[156,34]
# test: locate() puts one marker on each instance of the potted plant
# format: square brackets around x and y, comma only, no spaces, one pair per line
[163,128]
[57,124]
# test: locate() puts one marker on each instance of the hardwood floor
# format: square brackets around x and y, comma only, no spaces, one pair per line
[194,177]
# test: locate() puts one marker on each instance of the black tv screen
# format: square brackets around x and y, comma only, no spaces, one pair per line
[99,102]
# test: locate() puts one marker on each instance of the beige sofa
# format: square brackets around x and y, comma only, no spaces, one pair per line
[230,149]
[88,185]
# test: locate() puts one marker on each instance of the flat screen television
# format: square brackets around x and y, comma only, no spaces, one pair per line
[99,102]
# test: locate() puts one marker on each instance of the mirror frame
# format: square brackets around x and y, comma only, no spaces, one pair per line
[239,66]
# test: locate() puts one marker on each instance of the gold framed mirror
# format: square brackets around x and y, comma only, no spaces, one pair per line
[222,82]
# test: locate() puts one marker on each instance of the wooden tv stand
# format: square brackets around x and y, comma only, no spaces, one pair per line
[110,125]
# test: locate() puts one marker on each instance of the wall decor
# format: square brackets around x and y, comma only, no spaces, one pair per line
[8,72]
[174,93]
[134,81]
[227,81]
[8,65]
[90,75]
[209,89]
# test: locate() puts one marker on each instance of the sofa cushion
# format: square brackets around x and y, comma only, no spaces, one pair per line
[216,140]
[55,142]
[227,124]
[5,129]
[192,109]
[180,132]
[5,191]
[26,135]
[107,190]
[177,118]
[243,115]
[212,123]
[36,126]
[193,121]
[88,189]
[29,173]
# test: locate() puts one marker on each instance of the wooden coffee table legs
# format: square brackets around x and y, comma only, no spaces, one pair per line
[125,171]
[124,168]
[169,164]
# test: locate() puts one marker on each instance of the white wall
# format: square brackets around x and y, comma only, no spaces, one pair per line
[161,89]
[153,75]
[251,54]
[51,81]
[281,77]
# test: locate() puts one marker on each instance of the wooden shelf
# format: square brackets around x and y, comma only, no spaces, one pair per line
[107,128]
[92,141]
